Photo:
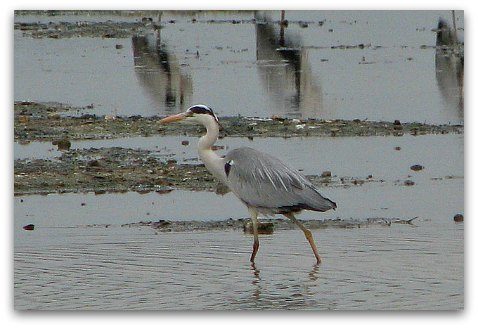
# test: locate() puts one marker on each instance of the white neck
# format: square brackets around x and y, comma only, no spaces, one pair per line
[211,160]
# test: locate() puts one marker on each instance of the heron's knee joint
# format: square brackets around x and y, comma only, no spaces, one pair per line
[307,234]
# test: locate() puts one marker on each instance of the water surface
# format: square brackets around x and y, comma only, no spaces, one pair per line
[344,64]
[325,64]
[73,261]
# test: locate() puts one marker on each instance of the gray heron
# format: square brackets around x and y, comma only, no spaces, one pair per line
[262,182]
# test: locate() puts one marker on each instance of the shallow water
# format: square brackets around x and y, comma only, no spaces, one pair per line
[312,155]
[67,264]
[251,69]
[396,268]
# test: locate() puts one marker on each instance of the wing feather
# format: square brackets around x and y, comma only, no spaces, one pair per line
[266,183]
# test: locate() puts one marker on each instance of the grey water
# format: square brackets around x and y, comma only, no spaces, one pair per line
[333,64]
[81,257]
[376,65]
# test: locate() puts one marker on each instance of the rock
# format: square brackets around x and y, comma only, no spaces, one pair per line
[29,227]
[417,167]
[303,24]
[408,183]
[23,119]
[62,144]
[93,163]
[458,218]
[184,142]
[326,174]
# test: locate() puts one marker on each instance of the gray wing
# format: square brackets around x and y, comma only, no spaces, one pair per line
[266,183]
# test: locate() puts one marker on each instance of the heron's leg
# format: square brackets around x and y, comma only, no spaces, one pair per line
[255,224]
[307,233]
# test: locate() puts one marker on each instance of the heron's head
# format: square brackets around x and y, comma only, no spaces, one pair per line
[197,114]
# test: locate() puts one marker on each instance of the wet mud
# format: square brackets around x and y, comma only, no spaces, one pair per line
[44,122]
[117,169]
[266,226]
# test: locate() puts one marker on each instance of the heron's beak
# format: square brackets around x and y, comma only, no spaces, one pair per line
[173,118]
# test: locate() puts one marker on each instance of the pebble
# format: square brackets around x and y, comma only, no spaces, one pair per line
[93,163]
[62,144]
[417,167]
[326,174]
[29,227]
[458,218]
[23,119]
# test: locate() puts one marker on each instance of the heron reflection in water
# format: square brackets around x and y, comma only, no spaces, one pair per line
[262,182]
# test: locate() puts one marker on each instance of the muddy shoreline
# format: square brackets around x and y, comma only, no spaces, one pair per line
[266,226]
[117,169]
[48,122]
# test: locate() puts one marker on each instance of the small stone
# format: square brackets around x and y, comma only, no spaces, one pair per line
[185,142]
[62,144]
[326,174]
[408,183]
[303,24]
[458,218]
[119,46]
[417,167]
[29,227]
[93,163]
[23,119]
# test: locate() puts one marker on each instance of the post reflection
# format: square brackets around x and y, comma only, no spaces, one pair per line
[449,67]
[159,73]
[285,70]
